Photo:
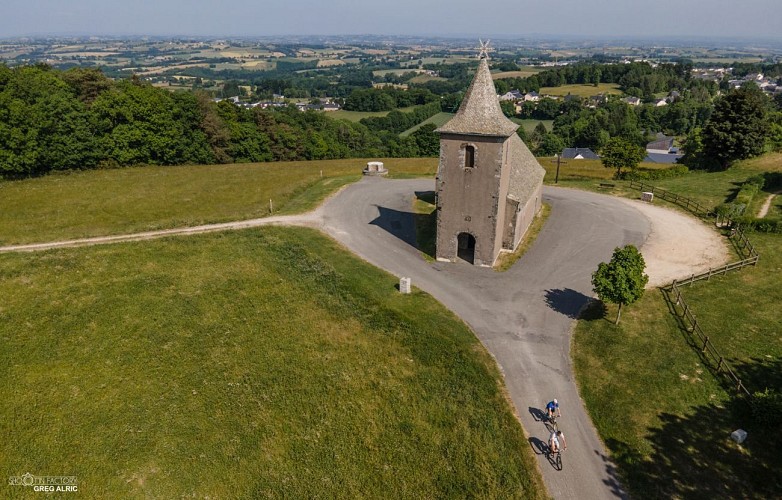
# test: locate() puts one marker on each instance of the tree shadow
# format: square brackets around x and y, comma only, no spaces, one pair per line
[568,301]
[694,457]
[397,223]
[594,311]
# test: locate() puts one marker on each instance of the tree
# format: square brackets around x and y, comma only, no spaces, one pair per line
[620,153]
[621,281]
[738,127]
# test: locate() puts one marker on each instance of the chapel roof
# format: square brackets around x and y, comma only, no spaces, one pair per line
[480,112]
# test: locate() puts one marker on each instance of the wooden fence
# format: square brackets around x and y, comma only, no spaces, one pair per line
[699,338]
[749,256]
[682,201]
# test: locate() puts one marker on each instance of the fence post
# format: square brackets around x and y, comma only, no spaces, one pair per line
[694,324]
[719,365]
[709,276]
[692,278]
[738,386]
[686,309]
[705,344]
[678,297]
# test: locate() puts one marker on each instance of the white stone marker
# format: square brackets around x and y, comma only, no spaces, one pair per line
[404,285]
[647,196]
[739,435]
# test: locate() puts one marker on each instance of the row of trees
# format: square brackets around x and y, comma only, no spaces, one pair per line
[79,119]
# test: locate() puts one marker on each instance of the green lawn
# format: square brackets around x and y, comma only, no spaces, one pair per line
[581,90]
[355,116]
[530,124]
[658,406]
[713,188]
[103,202]
[255,363]
[439,120]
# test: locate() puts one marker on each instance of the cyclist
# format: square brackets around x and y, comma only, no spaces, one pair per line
[553,441]
[552,407]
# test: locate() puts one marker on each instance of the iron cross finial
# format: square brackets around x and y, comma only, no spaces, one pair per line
[484,49]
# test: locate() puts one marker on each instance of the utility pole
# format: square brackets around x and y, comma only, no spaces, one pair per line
[559,160]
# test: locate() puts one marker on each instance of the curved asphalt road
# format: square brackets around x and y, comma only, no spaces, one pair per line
[523,316]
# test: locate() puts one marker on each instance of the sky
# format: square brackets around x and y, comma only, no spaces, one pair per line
[591,18]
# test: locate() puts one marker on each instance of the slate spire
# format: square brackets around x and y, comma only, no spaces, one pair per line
[480,112]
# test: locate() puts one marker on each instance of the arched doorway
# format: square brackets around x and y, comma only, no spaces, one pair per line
[466,247]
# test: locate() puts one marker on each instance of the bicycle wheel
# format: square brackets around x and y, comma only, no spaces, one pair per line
[559,460]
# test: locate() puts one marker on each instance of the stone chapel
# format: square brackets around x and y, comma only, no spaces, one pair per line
[488,182]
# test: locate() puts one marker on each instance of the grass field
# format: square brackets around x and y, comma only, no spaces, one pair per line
[581,90]
[530,124]
[256,363]
[439,120]
[522,73]
[658,406]
[103,202]
[355,116]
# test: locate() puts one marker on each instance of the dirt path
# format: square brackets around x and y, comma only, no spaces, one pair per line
[311,219]
[678,245]
[767,205]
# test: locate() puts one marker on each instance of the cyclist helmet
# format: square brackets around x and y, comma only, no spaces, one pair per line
[555,401]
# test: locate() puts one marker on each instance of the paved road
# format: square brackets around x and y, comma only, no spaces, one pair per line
[522,316]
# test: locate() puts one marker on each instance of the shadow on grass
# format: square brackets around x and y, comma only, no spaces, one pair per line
[694,457]
[595,310]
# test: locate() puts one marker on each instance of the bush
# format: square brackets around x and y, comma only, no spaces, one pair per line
[646,174]
[732,210]
[767,408]
[746,193]
[753,224]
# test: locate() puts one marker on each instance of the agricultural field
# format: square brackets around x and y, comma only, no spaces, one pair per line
[581,90]
[439,120]
[255,363]
[657,403]
[530,124]
[524,72]
[355,116]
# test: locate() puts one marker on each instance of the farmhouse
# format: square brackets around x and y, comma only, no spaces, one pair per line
[579,154]
[488,183]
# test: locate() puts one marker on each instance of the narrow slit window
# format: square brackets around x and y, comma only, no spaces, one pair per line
[469,156]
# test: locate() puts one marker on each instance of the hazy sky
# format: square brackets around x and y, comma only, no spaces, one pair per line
[747,18]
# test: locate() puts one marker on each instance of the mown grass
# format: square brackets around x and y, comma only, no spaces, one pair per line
[530,124]
[438,120]
[354,116]
[581,90]
[713,188]
[656,401]
[255,363]
[104,202]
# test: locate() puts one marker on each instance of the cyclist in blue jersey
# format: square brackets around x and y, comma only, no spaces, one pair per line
[553,407]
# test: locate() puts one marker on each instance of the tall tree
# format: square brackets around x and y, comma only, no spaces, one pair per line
[622,280]
[738,127]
